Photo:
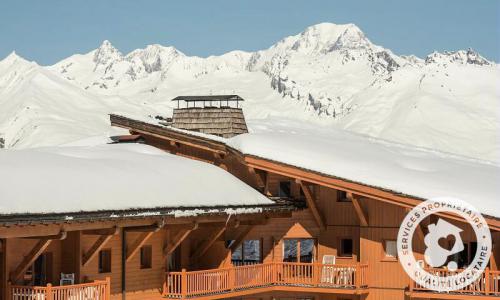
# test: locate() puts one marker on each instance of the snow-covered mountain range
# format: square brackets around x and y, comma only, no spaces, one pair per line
[331,75]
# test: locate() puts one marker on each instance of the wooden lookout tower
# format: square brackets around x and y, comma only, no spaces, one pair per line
[219,115]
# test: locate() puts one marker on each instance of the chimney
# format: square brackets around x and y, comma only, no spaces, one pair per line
[219,115]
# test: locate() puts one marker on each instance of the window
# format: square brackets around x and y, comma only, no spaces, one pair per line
[146,257]
[391,251]
[246,253]
[105,261]
[346,247]
[465,257]
[285,189]
[342,196]
[298,250]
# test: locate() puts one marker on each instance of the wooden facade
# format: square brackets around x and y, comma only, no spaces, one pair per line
[336,210]
[292,247]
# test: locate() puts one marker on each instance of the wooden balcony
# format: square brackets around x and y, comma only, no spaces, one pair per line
[487,286]
[258,278]
[97,290]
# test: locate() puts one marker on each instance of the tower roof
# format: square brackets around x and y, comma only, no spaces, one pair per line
[208,98]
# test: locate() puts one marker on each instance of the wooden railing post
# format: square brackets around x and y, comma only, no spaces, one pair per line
[317,273]
[357,277]
[8,292]
[274,274]
[108,288]
[410,284]
[184,284]
[232,278]
[48,291]
[487,281]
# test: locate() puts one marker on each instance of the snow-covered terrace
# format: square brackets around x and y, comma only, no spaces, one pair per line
[120,180]
[402,169]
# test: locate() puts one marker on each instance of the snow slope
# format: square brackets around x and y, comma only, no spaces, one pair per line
[106,177]
[330,75]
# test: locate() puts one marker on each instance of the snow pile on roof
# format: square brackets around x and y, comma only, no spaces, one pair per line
[408,170]
[114,177]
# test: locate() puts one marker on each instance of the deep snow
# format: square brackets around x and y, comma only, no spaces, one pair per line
[115,177]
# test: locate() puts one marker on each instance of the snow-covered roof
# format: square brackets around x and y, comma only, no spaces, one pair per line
[116,177]
[404,169]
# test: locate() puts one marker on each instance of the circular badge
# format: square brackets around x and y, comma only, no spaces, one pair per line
[443,274]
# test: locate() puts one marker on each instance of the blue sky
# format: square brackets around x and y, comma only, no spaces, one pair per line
[48,31]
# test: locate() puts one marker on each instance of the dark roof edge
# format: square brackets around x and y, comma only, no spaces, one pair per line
[9,219]
[209,98]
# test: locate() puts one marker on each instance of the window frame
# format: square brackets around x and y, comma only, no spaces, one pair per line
[340,251]
[149,264]
[385,257]
[100,268]
[299,242]
[289,189]
[342,199]
[243,260]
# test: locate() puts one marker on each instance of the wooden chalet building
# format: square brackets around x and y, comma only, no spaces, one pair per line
[311,234]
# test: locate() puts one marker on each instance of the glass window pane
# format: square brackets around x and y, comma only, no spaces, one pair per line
[251,251]
[306,250]
[391,249]
[237,254]
[346,247]
[290,250]
[285,189]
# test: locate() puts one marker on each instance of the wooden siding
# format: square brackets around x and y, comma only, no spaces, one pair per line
[224,122]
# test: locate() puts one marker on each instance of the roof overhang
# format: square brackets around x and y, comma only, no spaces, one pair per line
[359,188]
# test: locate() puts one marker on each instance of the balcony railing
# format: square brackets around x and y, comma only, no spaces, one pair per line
[97,290]
[233,279]
[488,284]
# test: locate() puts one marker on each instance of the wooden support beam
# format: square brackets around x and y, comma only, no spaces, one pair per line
[134,248]
[146,233]
[153,227]
[97,246]
[61,236]
[203,248]
[29,259]
[176,240]
[241,236]
[420,232]
[266,186]
[260,177]
[106,231]
[311,203]
[363,218]
[420,228]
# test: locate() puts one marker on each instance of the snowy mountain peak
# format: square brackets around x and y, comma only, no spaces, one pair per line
[321,37]
[461,57]
[12,57]
[16,62]
[106,53]
[351,38]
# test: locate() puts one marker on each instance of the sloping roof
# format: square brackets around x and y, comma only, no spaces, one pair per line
[208,98]
[417,172]
[401,169]
[114,177]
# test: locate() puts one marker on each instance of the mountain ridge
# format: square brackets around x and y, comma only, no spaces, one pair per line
[329,74]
